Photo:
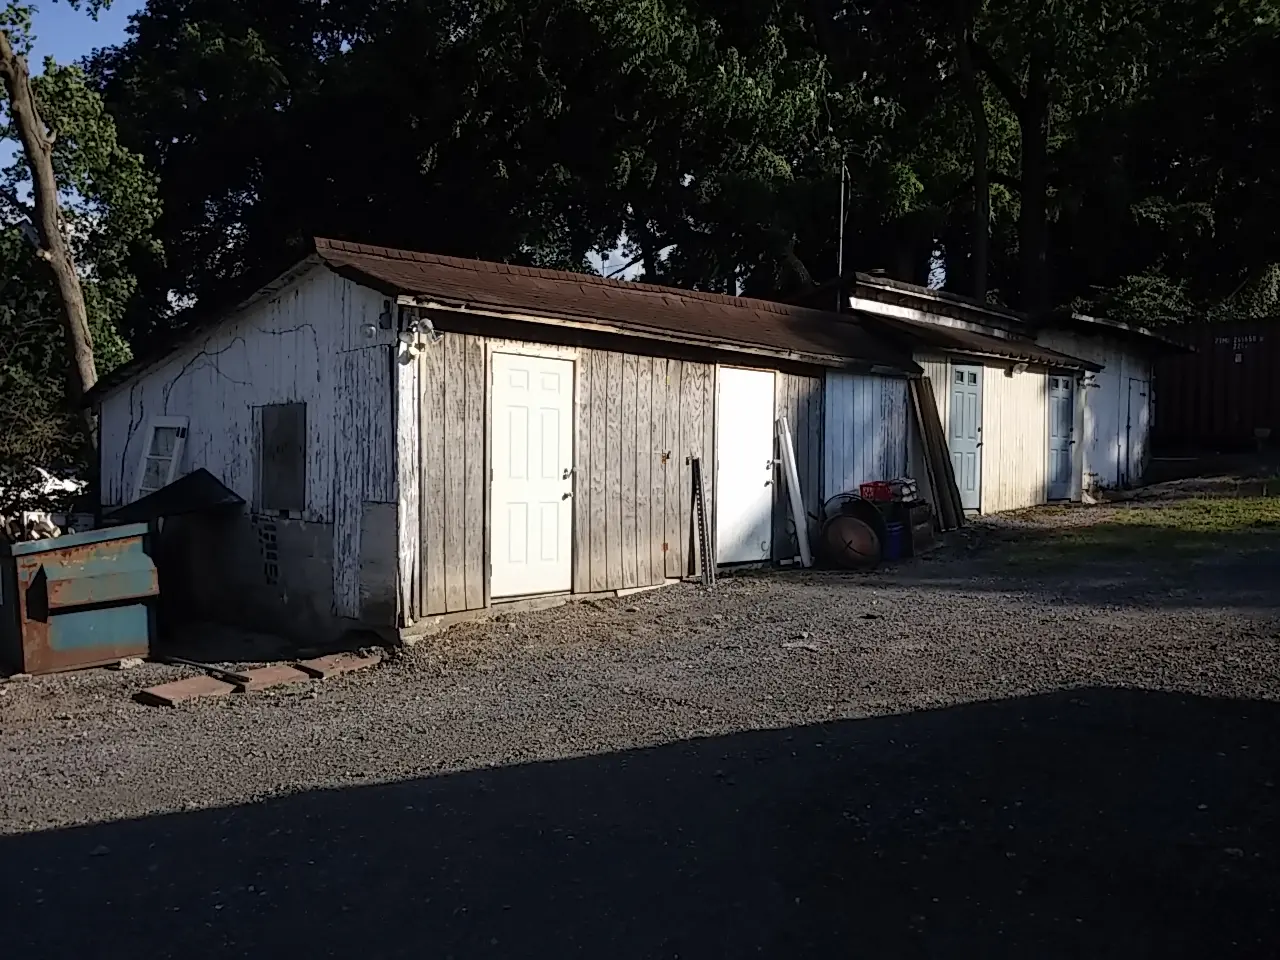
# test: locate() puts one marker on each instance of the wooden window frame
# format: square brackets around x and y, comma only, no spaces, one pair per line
[181,424]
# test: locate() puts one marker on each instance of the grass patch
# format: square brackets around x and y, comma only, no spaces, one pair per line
[1156,532]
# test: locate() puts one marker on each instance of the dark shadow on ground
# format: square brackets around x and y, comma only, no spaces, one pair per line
[1244,578]
[217,643]
[1094,823]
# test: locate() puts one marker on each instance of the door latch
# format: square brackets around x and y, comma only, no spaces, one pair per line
[568,472]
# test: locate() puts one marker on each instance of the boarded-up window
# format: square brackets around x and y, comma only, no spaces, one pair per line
[282,457]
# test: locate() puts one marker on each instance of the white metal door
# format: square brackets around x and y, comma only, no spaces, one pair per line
[1137,428]
[1061,417]
[965,439]
[744,465]
[531,519]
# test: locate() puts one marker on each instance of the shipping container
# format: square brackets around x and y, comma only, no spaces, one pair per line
[1224,396]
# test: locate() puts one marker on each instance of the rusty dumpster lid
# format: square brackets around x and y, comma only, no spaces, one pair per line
[85,539]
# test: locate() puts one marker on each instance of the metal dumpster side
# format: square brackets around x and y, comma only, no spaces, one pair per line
[79,601]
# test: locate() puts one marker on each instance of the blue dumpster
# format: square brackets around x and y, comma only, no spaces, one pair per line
[78,601]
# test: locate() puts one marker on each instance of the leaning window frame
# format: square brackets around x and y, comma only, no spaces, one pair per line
[181,424]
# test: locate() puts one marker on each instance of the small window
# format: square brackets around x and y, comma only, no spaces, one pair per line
[959,376]
[973,379]
[282,457]
[1053,383]
[161,454]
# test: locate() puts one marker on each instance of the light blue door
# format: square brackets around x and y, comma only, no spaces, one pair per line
[966,433]
[1061,414]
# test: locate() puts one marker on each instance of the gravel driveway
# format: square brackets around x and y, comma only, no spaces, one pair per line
[962,757]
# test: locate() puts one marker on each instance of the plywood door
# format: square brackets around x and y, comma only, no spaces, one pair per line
[1061,417]
[532,458]
[965,435]
[744,469]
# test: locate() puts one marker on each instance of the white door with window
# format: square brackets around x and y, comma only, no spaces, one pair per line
[531,518]
[1061,418]
[965,436]
[744,465]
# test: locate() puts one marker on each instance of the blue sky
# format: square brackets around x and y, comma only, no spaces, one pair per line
[68,35]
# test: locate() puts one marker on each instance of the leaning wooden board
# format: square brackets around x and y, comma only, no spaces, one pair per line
[948,492]
[941,515]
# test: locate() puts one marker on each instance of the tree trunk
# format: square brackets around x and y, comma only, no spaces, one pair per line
[981,177]
[1033,220]
[648,244]
[797,266]
[52,247]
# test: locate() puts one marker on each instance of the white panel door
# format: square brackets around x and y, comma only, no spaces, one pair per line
[744,465]
[965,440]
[1062,409]
[531,520]
[1137,429]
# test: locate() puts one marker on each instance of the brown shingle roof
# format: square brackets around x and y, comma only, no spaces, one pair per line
[968,341]
[631,307]
[642,309]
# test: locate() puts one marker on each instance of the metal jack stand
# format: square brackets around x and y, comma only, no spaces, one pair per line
[705,553]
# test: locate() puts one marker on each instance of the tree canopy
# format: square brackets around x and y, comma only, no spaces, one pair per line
[108,204]
[1110,141]
[1109,154]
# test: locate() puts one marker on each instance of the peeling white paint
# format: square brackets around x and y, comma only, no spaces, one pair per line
[865,435]
[306,343]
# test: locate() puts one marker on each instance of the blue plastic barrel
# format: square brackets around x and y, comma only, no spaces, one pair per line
[893,547]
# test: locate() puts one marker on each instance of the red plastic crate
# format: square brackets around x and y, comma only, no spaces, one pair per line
[878,491]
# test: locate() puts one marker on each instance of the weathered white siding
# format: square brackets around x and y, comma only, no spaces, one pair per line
[865,434]
[1015,438]
[638,420]
[1108,432]
[799,399]
[937,371]
[302,344]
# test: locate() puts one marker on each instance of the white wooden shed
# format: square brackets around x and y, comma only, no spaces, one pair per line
[419,438]
[1119,399]
[1013,409]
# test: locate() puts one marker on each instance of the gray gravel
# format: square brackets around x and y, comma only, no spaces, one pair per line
[762,652]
